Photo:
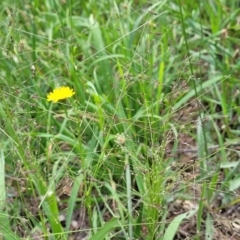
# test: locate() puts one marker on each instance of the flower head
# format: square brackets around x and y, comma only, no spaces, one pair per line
[60,93]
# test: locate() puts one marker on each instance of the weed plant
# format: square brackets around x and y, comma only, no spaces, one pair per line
[142,139]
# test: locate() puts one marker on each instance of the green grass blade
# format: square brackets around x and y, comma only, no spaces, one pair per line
[5,228]
[105,230]
[175,223]
[72,200]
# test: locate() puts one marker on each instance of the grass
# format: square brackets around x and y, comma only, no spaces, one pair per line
[147,148]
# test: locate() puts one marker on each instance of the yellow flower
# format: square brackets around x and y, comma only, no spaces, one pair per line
[60,93]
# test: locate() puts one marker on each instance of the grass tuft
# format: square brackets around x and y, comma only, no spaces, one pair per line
[141,139]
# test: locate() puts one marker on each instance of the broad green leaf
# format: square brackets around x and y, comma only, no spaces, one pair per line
[174,225]
[105,229]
